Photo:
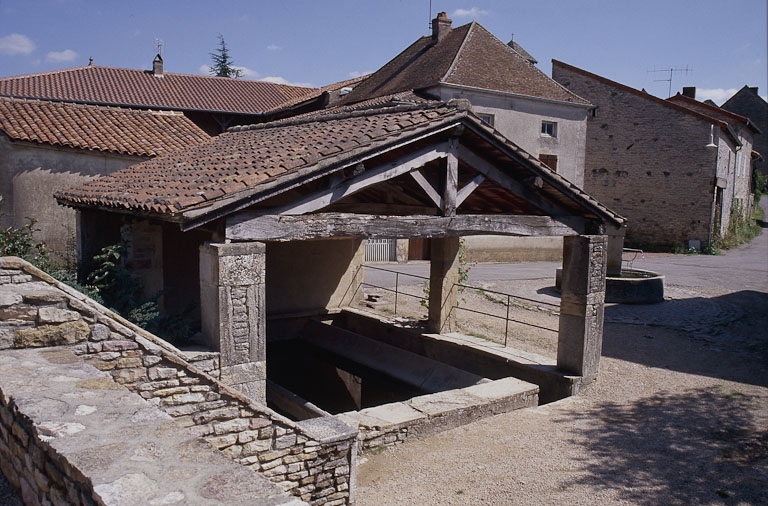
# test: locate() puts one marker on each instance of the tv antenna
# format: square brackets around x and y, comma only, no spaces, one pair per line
[159,46]
[429,27]
[671,71]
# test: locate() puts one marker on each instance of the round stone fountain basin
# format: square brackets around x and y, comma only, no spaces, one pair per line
[634,286]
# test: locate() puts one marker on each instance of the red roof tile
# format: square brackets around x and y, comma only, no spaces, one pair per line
[94,84]
[468,56]
[111,129]
[246,157]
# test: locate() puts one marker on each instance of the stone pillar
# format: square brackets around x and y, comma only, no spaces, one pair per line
[443,275]
[580,337]
[615,249]
[232,299]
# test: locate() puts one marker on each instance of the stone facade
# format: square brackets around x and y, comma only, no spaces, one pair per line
[312,459]
[519,118]
[647,159]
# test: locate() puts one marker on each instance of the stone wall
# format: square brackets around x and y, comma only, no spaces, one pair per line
[313,459]
[647,160]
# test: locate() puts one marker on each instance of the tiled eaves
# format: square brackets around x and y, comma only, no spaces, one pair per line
[244,162]
[98,128]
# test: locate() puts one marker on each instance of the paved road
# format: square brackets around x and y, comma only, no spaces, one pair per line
[743,268]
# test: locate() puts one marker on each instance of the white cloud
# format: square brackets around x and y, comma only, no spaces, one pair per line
[61,56]
[244,71]
[274,47]
[469,13]
[356,73]
[717,95]
[16,43]
[282,80]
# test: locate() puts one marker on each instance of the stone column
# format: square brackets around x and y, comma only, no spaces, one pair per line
[232,299]
[615,249]
[443,275]
[580,337]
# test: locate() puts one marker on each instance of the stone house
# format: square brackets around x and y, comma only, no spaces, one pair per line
[124,116]
[46,146]
[746,102]
[507,91]
[674,168]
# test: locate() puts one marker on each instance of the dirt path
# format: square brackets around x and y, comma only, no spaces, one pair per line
[679,415]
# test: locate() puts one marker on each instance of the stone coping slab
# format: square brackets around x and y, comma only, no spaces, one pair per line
[132,452]
[427,414]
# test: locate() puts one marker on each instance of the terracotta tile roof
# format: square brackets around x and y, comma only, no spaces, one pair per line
[714,111]
[244,158]
[235,169]
[469,56]
[95,84]
[110,129]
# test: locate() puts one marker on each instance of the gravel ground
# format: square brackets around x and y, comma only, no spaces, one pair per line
[679,415]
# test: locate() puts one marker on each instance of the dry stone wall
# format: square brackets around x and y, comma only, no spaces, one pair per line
[313,459]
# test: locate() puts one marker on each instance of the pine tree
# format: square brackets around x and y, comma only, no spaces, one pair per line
[223,66]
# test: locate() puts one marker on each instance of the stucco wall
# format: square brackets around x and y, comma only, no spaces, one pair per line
[519,119]
[30,174]
[649,162]
[310,276]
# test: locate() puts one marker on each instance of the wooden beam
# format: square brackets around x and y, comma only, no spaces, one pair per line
[451,178]
[395,168]
[465,192]
[427,187]
[512,185]
[252,227]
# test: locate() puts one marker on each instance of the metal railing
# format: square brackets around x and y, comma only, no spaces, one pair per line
[630,261]
[396,289]
[507,299]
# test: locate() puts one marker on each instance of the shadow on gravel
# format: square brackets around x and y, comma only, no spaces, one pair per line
[723,337]
[699,447]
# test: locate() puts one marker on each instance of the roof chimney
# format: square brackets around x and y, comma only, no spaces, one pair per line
[689,91]
[441,25]
[157,66]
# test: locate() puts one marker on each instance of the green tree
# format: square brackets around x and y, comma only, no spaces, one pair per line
[223,66]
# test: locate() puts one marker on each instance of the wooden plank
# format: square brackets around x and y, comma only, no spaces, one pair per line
[253,227]
[372,176]
[428,188]
[509,183]
[465,192]
[451,179]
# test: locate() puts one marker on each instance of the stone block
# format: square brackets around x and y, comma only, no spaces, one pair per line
[52,335]
[50,315]
[99,332]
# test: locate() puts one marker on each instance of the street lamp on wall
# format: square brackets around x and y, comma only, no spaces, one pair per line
[711,137]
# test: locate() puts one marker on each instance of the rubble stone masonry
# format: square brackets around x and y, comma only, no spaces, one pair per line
[312,459]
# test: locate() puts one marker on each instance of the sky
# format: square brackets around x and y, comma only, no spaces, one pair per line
[716,46]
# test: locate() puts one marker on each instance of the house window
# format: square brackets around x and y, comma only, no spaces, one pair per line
[549,128]
[550,161]
[487,118]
